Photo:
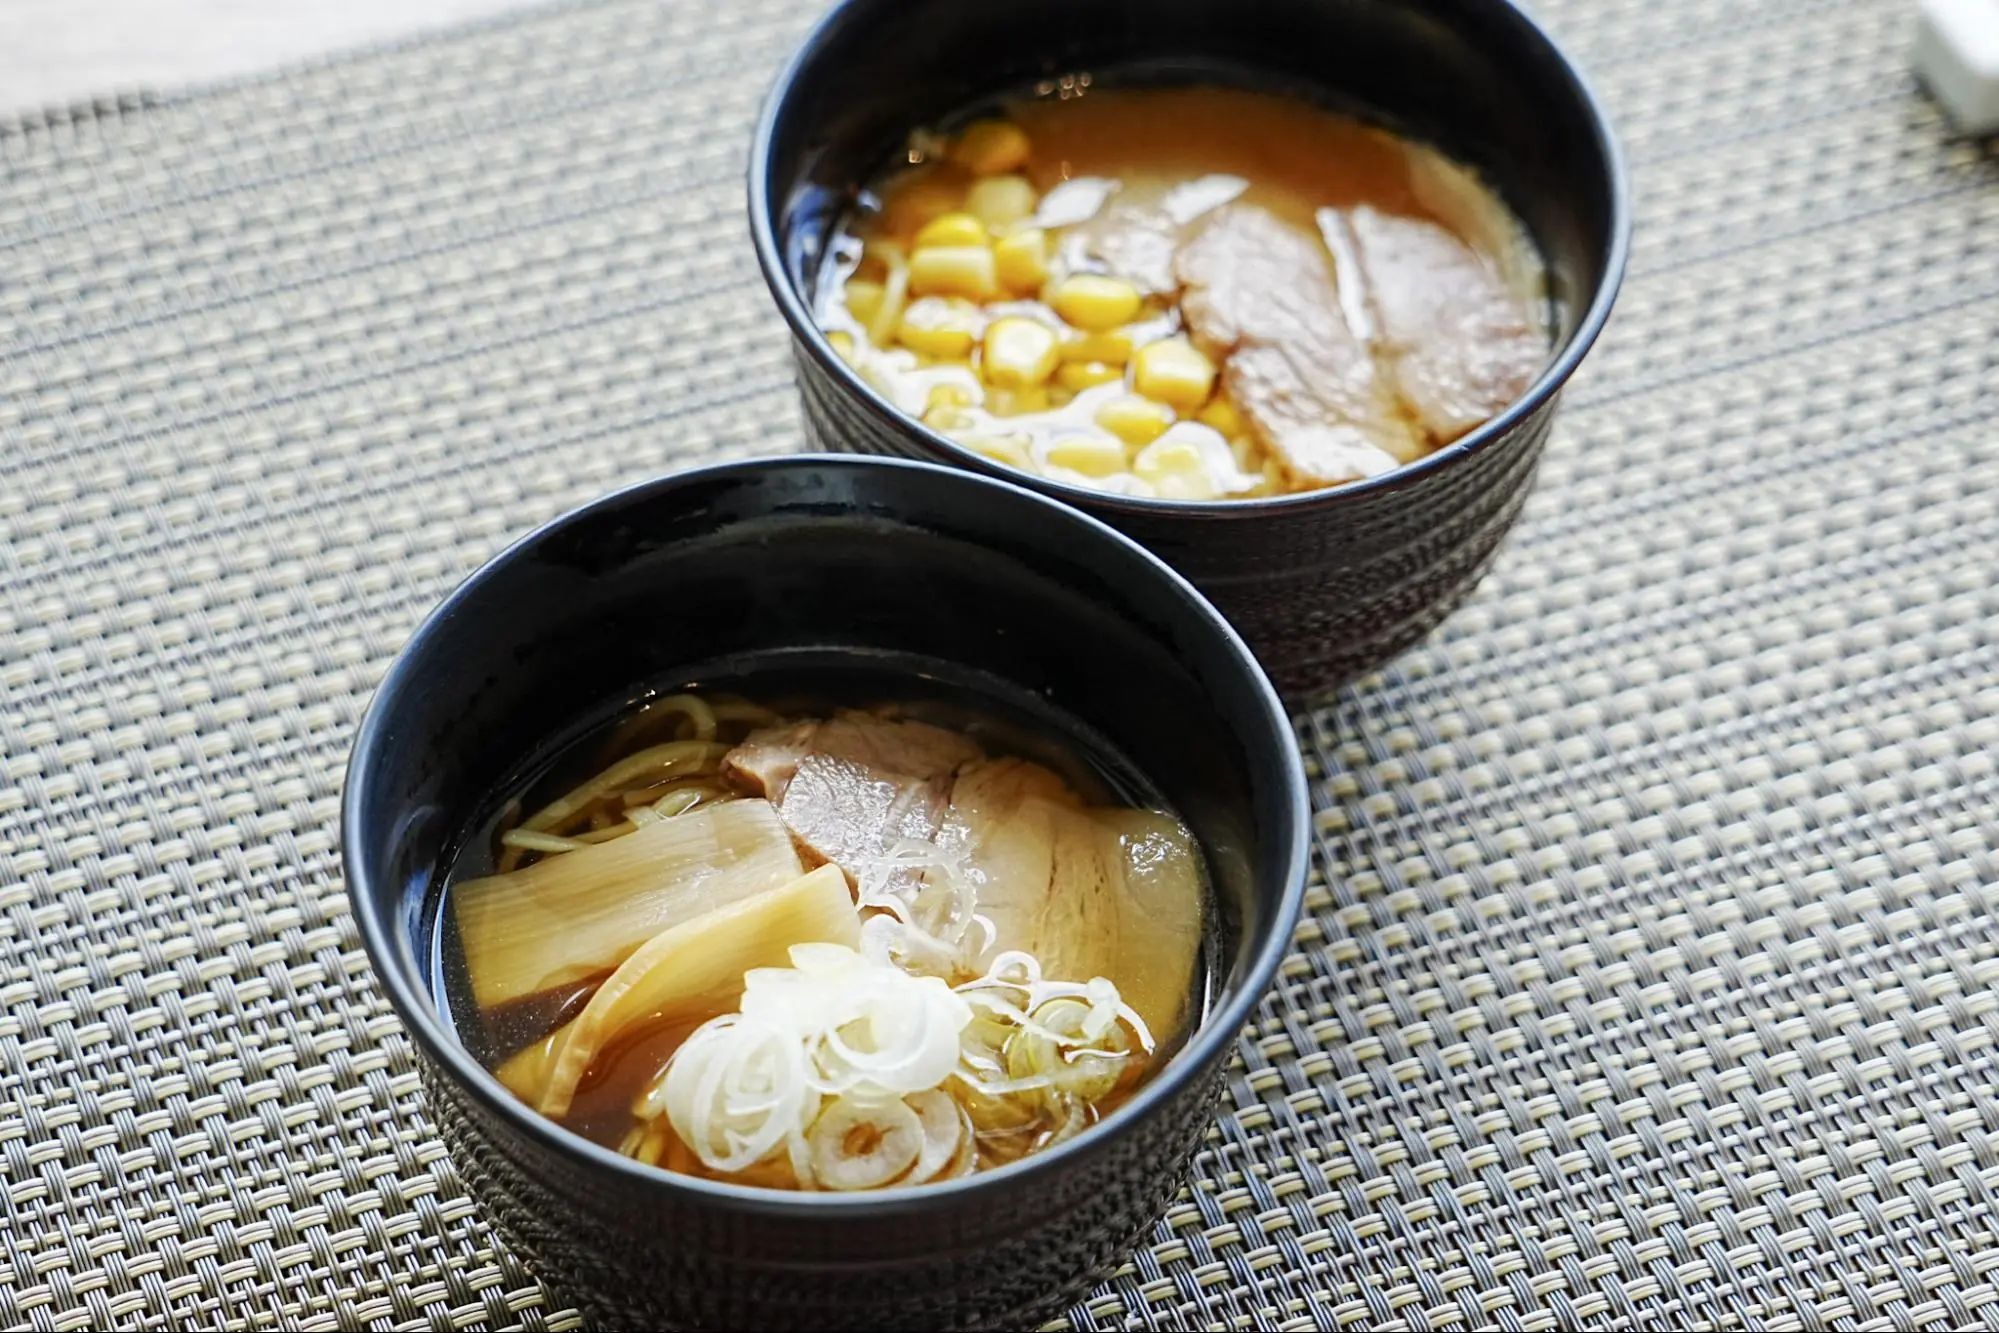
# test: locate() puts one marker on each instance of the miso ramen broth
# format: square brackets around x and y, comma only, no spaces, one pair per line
[1187,293]
[826,941]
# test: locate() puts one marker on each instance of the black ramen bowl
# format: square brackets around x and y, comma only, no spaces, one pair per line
[836,559]
[1324,585]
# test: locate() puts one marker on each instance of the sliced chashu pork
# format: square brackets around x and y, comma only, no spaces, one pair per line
[1260,295]
[850,787]
[1135,229]
[1136,240]
[1088,891]
[1457,337]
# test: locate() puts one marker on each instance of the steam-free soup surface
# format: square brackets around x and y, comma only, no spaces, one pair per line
[819,947]
[1191,293]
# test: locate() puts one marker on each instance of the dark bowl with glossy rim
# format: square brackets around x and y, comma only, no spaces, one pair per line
[829,557]
[1324,585]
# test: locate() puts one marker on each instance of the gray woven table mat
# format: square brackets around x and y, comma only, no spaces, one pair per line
[1648,971]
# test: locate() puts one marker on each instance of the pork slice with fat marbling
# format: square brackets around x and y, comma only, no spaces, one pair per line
[1260,296]
[850,787]
[1089,891]
[1459,341]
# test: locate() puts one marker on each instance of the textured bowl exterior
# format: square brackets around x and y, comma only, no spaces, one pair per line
[1322,592]
[636,1257]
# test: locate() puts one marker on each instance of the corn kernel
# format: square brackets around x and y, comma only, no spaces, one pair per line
[943,343]
[1015,402]
[1222,415]
[1022,259]
[1173,372]
[1078,375]
[1113,348]
[1019,352]
[948,395]
[1001,201]
[1164,456]
[1091,455]
[864,299]
[990,147]
[952,229]
[1093,302]
[1176,469]
[1008,449]
[946,418]
[842,345]
[1136,421]
[954,270]
[940,328]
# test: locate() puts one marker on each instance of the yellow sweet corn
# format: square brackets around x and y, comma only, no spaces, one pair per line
[1015,402]
[937,343]
[1019,353]
[1175,469]
[1222,415]
[954,270]
[842,345]
[1078,375]
[943,328]
[1008,449]
[952,229]
[864,299]
[1173,372]
[947,418]
[1112,347]
[1136,421]
[1093,302]
[1091,455]
[1184,486]
[1022,259]
[1001,201]
[989,147]
[948,395]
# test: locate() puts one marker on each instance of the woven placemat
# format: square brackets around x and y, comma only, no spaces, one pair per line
[1648,970]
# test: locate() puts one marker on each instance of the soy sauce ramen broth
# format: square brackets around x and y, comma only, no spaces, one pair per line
[521,1026]
[1187,293]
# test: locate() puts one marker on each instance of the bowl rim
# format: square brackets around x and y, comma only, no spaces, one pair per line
[796,309]
[401,972]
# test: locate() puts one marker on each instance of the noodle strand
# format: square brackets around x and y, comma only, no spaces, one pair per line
[673,755]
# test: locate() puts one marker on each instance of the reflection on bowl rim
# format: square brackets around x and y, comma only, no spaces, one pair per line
[796,307]
[414,1005]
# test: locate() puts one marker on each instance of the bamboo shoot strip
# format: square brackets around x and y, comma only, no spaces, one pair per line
[696,969]
[584,912]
